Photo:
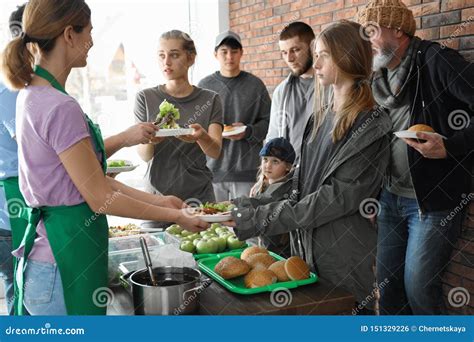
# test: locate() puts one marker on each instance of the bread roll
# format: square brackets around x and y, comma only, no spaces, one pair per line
[251,251]
[228,128]
[421,128]
[231,267]
[260,261]
[296,268]
[259,278]
[279,269]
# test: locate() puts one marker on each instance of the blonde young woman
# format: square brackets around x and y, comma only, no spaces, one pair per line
[63,260]
[344,155]
[177,165]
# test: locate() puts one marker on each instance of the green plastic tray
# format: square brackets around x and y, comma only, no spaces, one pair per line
[197,256]
[237,284]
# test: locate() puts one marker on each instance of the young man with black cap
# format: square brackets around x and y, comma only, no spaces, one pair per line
[292,101]
[423,200]
[246,103]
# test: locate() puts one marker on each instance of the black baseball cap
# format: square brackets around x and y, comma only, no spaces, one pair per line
[279,148]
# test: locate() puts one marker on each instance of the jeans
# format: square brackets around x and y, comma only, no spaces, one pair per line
[43,289]
[6,267]
[413,249]
[226,191]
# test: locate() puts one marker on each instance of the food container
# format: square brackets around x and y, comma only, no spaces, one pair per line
[127,248]
[237,285]
[177,292]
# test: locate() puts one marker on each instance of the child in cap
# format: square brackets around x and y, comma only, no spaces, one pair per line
[278,156]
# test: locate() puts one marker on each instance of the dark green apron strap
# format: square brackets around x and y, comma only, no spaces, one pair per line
[33,216]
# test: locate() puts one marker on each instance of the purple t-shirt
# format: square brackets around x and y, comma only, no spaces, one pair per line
[49,122]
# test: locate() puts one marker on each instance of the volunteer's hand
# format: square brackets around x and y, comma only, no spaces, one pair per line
[432,148]
[190,222]
[172,202]
[140,133]
[237,136]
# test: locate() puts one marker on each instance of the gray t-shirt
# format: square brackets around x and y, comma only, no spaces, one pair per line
[179,168]
[400,180]
[292,105]
[245,99]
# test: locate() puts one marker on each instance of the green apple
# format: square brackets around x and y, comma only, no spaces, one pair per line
[226,235]
[196,241]
[234,243]
[174,229]
[194,236]
[222,230]
[221,243]
[187,246]
[209,236]
[204,232]
[186,233]
[206,247]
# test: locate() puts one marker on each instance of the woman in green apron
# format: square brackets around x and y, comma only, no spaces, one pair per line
[62,264]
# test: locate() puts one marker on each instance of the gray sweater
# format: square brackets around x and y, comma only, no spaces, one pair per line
[292,105]
[245,99]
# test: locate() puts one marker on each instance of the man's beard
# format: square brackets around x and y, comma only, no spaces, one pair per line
[384,58]
[308,64]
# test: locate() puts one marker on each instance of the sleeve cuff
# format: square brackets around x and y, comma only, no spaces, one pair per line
[248,132]
[245,227]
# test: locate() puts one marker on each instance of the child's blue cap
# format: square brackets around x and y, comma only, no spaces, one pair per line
[279,148]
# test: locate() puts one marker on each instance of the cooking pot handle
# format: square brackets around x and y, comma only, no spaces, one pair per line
[205,282]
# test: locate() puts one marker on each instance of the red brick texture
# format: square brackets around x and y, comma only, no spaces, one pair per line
[451,22]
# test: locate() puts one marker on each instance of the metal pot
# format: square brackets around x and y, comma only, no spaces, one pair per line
[177,292]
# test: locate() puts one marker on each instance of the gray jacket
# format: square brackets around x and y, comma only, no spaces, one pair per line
[327,226]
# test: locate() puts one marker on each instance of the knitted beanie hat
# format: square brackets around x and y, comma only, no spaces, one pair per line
[388,13]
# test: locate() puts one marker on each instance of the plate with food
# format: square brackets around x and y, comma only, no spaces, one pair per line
[120,165]
[411,132]
[214,212]
[233,130]
[124,230]
[166,121]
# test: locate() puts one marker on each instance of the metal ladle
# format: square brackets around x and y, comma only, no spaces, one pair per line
[146,256]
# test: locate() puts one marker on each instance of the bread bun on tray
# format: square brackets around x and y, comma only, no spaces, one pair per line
[249,251]
[258,278]
[231,267]
[279,269]
[260,261]
[296,268]
[421,128]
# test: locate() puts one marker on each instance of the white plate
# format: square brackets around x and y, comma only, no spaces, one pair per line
[235,131]
[412,134]
[174,132]
[118,169]
[215,218]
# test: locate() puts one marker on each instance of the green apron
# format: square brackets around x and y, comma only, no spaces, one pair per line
[15,203]
[78,238]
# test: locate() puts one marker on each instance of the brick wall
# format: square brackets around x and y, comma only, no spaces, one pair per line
[259,23]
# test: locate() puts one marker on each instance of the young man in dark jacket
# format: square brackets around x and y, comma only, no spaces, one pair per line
[428,183]
[246,103]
